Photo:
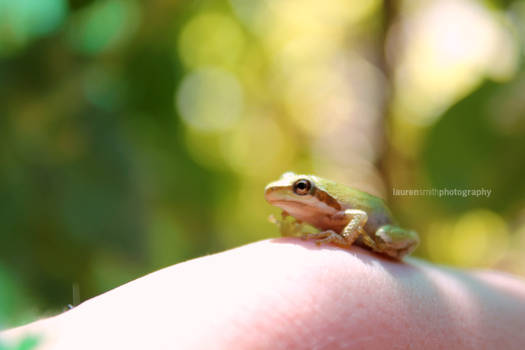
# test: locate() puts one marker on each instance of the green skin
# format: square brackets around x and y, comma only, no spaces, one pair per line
[343,215]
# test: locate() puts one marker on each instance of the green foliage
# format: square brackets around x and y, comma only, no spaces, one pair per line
[479,143]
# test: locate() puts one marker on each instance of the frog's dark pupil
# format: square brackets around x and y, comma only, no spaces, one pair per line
[302,187]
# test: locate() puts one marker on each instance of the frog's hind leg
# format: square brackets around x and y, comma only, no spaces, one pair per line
[395,241]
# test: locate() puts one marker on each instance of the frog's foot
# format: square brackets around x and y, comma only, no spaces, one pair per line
[366,239]
[288,225]
[327,236]
[395,241]
[274,220]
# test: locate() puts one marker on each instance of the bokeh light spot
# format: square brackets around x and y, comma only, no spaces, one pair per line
[258,147]
[22,20]
[210,99]
[103,25]
[480,237]
[477,238]
[449,47]
[211,39]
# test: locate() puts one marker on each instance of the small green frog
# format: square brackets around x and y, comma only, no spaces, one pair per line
[343,215]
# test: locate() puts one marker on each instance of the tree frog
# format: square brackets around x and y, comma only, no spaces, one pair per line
[342,215]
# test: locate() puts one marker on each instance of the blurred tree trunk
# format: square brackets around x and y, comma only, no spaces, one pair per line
[389,17]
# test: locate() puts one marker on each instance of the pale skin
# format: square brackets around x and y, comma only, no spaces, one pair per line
[344,215]
[292,294]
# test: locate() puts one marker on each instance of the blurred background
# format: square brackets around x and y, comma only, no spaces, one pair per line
[138,134]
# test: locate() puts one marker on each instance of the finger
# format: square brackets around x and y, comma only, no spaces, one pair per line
[289,294]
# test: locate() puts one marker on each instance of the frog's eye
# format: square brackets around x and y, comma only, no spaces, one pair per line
[302,187]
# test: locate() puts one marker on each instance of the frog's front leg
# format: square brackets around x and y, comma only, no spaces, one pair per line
[351,231]
[356,225]
[395,241]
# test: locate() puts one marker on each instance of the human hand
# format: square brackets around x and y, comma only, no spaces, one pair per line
[290,294]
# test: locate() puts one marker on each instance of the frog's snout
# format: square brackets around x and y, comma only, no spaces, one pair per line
[273,192]
[269,192]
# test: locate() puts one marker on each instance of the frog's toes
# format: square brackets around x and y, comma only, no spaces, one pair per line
[323,237]
[273,219]
[315,235]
